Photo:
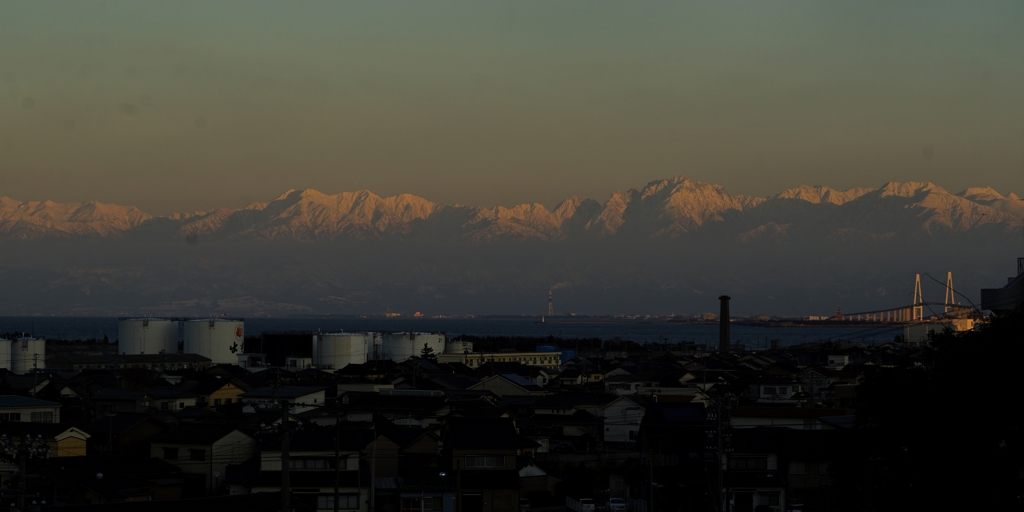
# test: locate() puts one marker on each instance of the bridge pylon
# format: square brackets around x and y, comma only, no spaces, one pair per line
[950,294]
[918,307]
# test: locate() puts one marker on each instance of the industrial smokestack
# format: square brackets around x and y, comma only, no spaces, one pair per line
[551,306]
[723,325]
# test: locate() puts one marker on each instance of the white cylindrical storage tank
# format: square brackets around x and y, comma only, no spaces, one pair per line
[458,347]
[399,346]
[219,339]
[147,336]
[26,354]
[334,351]
[376,346]
[5,354]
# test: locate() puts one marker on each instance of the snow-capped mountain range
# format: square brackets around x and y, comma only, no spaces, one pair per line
[664,208]
[672,245]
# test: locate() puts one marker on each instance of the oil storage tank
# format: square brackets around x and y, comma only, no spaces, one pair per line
[219,339]
[5,354]
[147,336]
[399,346]
[333,351]
[458,347]
[26,354]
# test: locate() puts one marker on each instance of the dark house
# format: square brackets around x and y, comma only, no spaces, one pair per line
[677,458]
[482,453]
[103,480]
[122,434]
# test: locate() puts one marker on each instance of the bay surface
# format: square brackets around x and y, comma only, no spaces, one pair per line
[753,337]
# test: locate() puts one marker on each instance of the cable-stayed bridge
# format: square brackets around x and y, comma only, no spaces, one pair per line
[916,312]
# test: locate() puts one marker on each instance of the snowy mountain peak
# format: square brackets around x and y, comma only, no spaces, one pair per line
[910,189]
[979,194]
[284,196]
[35,219]
[672,184]
[314,195]
[1009,204]
[569,208]
[821,194]
[663,208]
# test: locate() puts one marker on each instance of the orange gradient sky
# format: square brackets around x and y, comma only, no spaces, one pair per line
[186,106]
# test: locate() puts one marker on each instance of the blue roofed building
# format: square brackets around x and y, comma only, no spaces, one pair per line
[28,410]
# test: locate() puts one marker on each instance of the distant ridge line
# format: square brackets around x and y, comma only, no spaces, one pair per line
[662,209]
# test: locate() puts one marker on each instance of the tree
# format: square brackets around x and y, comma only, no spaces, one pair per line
[428,353]
[942,431]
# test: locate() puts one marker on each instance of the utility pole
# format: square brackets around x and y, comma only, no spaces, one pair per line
[723,325]
[458,486]
[337,452]
[719,453]
[650,494]
[723,444]
[35,373]
[110,435]
[22,467]
[285,483]
[373,469]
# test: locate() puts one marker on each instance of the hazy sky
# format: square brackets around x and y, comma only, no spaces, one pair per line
[177,106]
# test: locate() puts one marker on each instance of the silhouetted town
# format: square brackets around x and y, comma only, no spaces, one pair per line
[418,422]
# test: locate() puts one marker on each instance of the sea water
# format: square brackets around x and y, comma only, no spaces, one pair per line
[752,337]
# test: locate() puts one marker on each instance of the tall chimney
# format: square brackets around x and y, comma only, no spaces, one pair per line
[723,325]
[551,306]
